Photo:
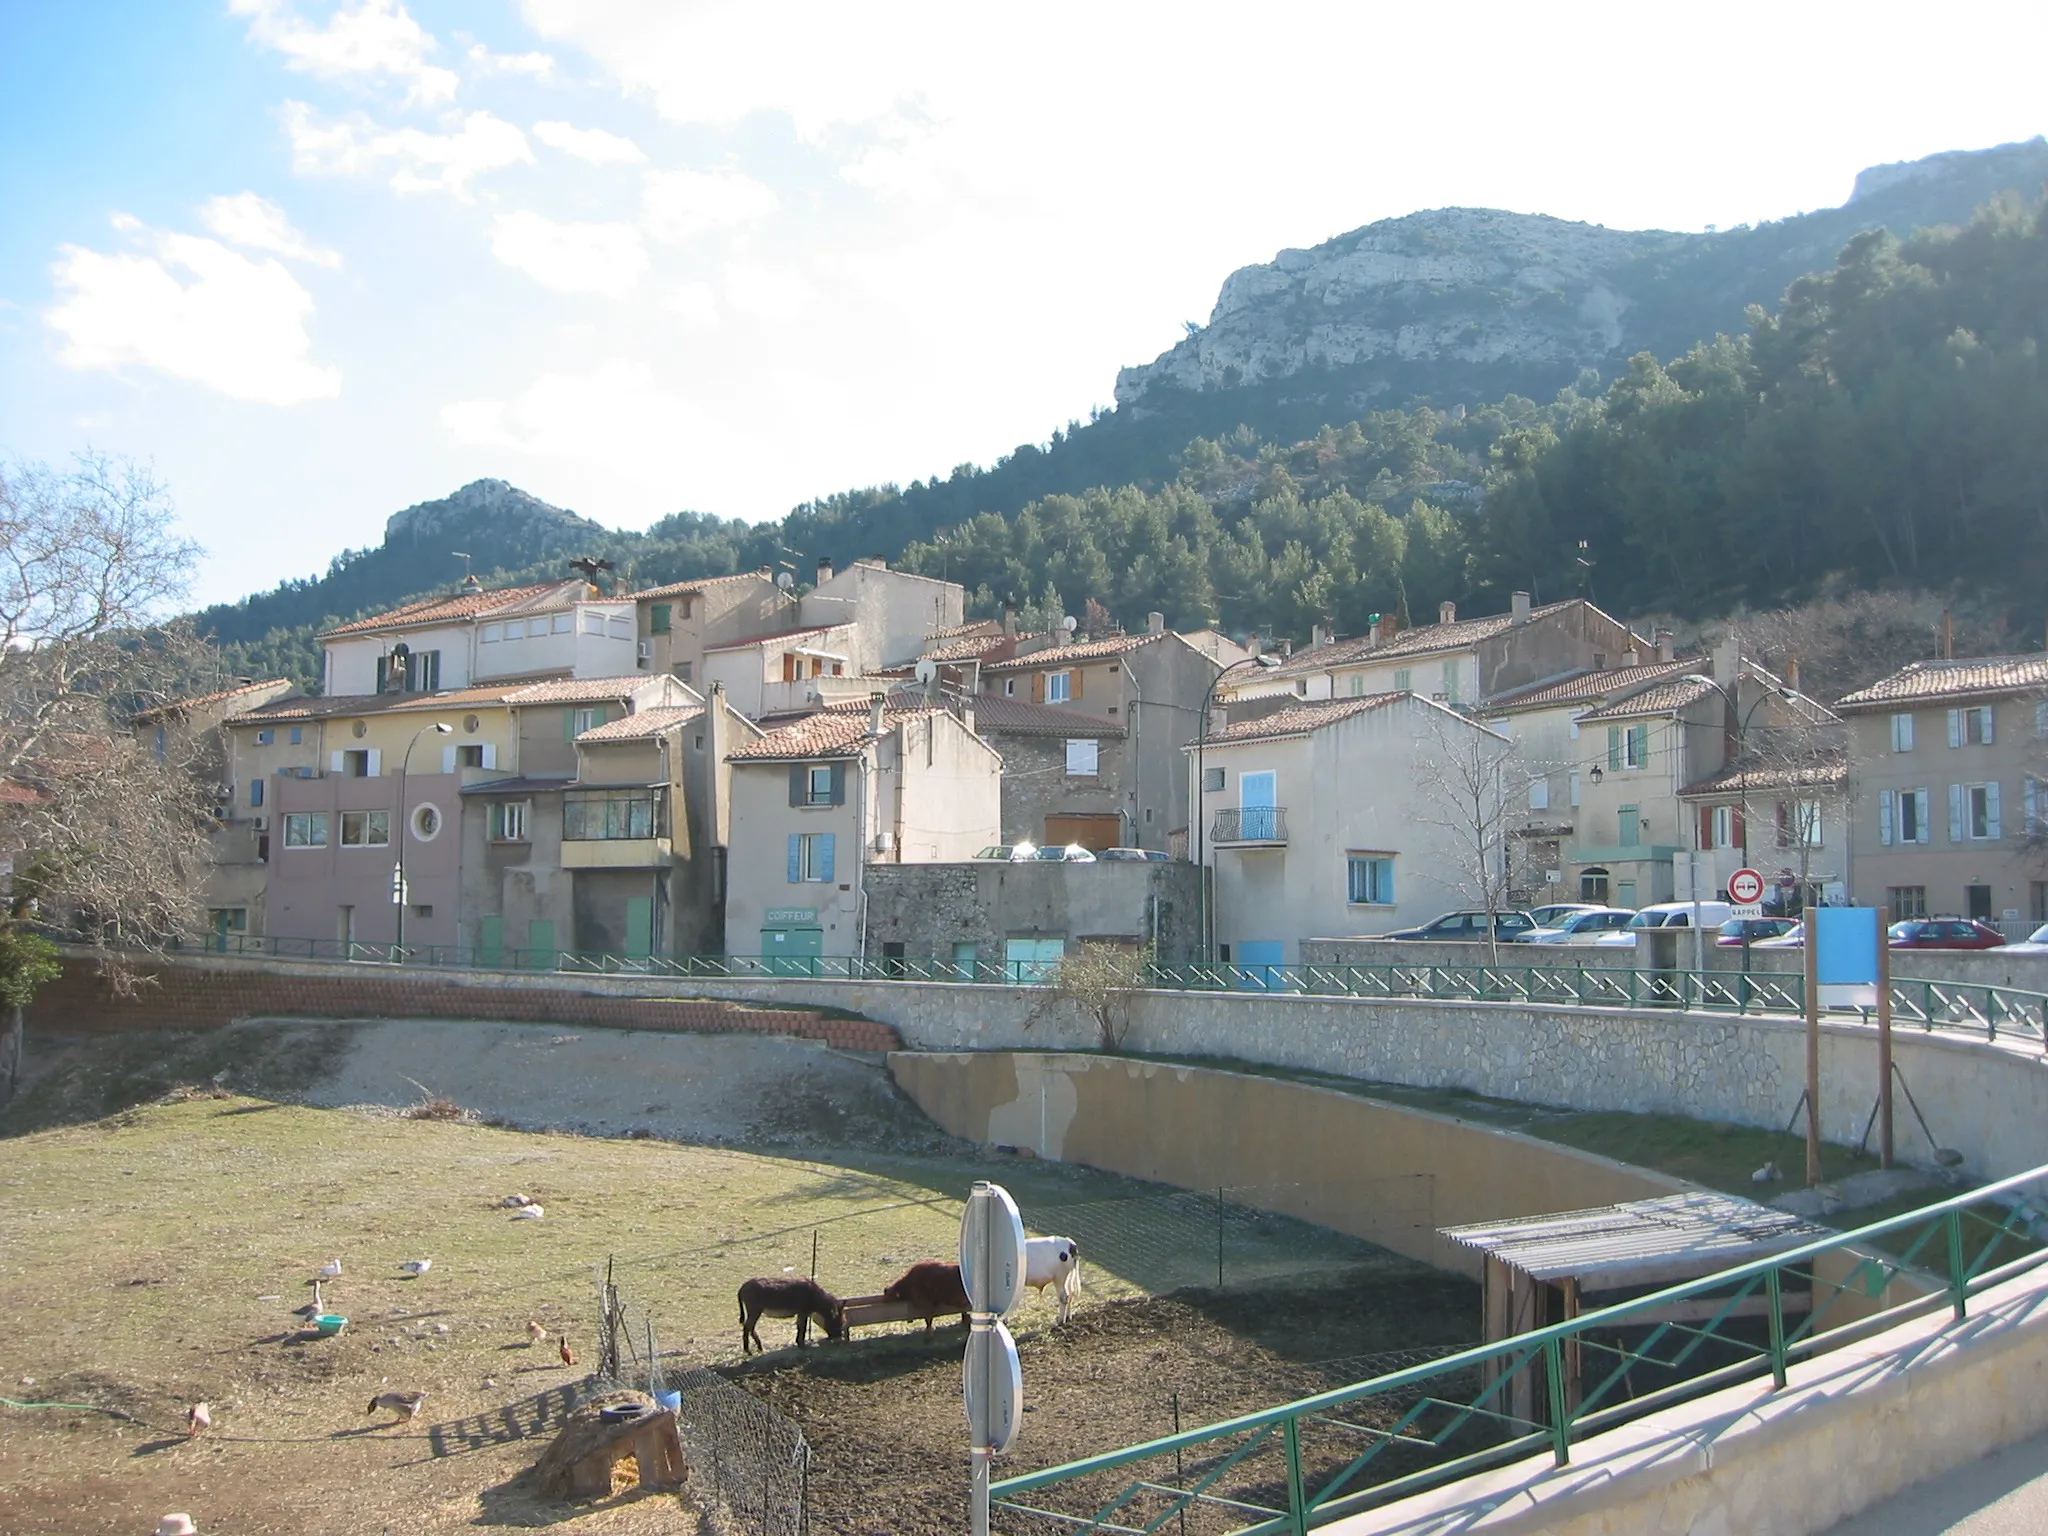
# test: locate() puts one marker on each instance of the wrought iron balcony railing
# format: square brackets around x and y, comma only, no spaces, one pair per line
[1250,824]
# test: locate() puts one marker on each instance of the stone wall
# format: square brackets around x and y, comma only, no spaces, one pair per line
[929,908]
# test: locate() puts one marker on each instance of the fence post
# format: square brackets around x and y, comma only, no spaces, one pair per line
[1560,1426]
[1219,1237]
[1297,1498]
[1958,1283]
[1773,1287]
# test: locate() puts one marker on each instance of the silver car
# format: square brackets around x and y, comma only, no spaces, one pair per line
[1584,927]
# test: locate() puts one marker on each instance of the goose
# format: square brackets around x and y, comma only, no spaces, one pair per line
[417,1267]
[534,1332]
[198,1418]
[331,1270]
[528,1213]
[313,1308]
[407,1403]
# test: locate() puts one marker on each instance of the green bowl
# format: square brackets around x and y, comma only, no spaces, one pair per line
[329,1324]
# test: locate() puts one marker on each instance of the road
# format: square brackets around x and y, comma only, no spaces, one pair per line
[2002,1494]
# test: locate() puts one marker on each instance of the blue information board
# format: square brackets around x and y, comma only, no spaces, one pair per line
[1845,959]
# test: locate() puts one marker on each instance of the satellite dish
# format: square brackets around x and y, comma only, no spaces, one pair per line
[1070,624]
[784,580]
[927,671]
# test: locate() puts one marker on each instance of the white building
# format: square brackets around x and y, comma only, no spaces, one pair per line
[475,637]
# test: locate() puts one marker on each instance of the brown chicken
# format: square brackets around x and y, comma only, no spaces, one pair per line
[568,1354]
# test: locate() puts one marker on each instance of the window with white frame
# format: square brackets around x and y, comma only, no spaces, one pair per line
[1902,733]
[1059,687]
[490,634]
[1977,727]
[1974,813]
[1369,879]
[1806,825]
[1009,687]
[1401,680]
[263,737]
[306,829]
[2037,806]
[1083,757]
[1539,794]
[814,856]
[508,821]
[1721,827]
[365,829]
[818,784]
[1902,816]
[593,623]
[1357,685]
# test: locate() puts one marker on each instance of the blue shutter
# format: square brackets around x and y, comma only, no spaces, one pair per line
[256,791]
[826,842]
[796,859]
[1614,749]
[1387,881]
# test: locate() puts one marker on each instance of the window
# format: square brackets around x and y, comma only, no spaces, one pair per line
[1718,827]
[593,623]
[818,784]
[1059,687]
[565,623]
[595,818]
[682,670]
[228,919]
[426,823]
[811,857]
[1636,747]
[515,629]
[1574,786]
[470,756]
[2041,721]
[255,792]
[356,763]
[576,721]
[1906,900]
[1083,757]
[491,634]
[263,737]
[508,821]
[1902,816]
[1539,794]
[1806,826]
[1212,780]
[1973,813]
[1371,879]
[1593,885]
[658,619]
[163,740]
[1972,727]
[365,829]
[1009,687]
[423,672]
[2038,908]
[1450,682]
[306,829]
[2036,806]
[1902,733]
[1357,685]
[298,734]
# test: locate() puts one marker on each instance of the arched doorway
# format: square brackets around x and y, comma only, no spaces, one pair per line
[1593,885]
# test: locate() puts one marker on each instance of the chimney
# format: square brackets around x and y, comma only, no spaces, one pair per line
[824,569]
[1447,613]
[1372,636]
[1009,619]
[470,586]
[1155,623]
[879,703]
[1665,644]
[1792,671]
[1519,603]
[1728,660]
[1631,657]
[1948,636]
[1319,636]
[1287,647]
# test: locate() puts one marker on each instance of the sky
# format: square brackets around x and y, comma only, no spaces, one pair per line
[318,260]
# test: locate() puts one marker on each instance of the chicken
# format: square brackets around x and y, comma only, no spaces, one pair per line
[534,1332]
[198,1418]
[407,1403]
[568,1355]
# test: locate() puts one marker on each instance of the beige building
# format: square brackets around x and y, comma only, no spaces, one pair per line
[1322,819]
[815,803]
[675,623]
[1948,758]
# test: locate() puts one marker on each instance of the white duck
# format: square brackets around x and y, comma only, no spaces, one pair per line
[331,1270]
[176,1525]
[417,1267]
[528,1213]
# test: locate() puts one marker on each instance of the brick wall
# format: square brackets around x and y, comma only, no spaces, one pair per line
[209,995]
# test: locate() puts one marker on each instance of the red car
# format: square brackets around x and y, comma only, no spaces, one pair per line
[1944,933]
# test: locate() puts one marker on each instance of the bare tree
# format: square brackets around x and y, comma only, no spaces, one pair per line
[1799,759]
[102,835]
[1475,790]
[1843,641]
[1098,983]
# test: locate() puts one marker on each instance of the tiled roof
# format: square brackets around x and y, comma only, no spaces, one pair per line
[678,588]
[464,605]
[518,786]
[1020,717]
[199,701]
[969,647]
[642,724]
[1753,775]
[305,707]
[565,690]
[575,690]
[1658,698]
[1422,640]
[1080,650]
[1968,677]
[959,631]
[829,733]
[1300,719]
[1585,687]
[778,634]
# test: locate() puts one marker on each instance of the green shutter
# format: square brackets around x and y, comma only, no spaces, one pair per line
[1614,749]
[568,725]
[1642,745]
[657,619]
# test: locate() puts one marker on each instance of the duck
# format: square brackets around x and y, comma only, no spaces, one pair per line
[1768,1174]
[417,1267]
[528,1213]
[198,1419]
[407,1403]
[534,1332]
[331,1270]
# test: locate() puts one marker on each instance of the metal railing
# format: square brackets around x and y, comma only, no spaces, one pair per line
[1303,1464]
[1992,1012]
[1250,824]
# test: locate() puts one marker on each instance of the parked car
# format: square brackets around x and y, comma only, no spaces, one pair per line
[1754,929]
[1792,938]
[1669,914]
[2035,943]
[1468,927]
[1052,853]
[1553,915]
[1944,933]
[1000,852]
[1134,855]
[1580,927]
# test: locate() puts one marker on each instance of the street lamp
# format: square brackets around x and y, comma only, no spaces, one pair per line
[1200,810]
[398,890]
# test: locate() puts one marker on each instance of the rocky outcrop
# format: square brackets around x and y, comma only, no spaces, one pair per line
[512,519]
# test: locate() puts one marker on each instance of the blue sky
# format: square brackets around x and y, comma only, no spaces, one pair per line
[320,259]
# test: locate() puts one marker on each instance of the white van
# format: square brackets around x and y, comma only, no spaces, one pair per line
[1669,914]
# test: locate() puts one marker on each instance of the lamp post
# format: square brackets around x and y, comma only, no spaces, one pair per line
[1199,810]
[398,890]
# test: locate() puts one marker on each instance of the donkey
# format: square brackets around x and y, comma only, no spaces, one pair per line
[781,1296]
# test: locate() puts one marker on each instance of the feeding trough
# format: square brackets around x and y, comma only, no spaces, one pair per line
[328,1324]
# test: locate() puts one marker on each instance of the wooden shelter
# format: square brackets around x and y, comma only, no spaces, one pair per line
[1540,1270]
[604,1432]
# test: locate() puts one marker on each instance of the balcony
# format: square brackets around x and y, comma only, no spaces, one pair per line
[617,853]
[617,829]
[1250,826]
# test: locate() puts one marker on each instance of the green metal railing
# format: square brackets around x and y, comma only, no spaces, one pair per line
[1990,1012]
[1303,1464]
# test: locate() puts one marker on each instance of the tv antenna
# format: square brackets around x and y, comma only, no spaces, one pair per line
[590,567]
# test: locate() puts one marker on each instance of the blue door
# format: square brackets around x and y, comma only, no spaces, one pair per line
[1258,964]
[1257,796]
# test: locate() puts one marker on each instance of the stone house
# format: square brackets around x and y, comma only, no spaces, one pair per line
[817,803]
[1154,686]
[1321,820]
[1948,758]
[675,623]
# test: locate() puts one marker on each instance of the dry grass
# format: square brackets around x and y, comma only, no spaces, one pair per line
[152,1259]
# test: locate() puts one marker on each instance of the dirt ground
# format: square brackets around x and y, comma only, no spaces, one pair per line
[885,1417]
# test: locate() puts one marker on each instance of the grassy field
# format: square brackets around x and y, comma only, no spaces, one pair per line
[152,1259]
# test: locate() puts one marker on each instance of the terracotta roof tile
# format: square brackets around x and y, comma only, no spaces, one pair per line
[220,696]
[1658,698]
[1422,640]
[1968,677]
[777,634]
[829,733]
[642,724]
[565,690]
[1588,686]
[1300,719]
[461,605]
[1080,650]
[577,690]
[1753,775]
[678,588]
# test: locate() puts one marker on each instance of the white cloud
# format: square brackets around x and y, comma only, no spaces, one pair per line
[694,304]
[257,225]
[540,66]
[374,37]
[419,161]
[592,144]
[606,259]
[193,309]
[678,205]
[615,414]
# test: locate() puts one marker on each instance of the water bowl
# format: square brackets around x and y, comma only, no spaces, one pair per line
[328,1324]
[672,1401]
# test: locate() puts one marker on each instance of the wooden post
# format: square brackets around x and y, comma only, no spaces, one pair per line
[1812,948]
[1884,1038]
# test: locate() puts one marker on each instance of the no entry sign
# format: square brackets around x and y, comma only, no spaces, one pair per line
[1745,887]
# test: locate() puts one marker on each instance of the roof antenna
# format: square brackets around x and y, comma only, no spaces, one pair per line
[469,581]
[590,566]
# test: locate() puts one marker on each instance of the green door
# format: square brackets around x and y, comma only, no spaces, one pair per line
[792,951]
[540,946]
[1032,961]
[639,927]
[490,942]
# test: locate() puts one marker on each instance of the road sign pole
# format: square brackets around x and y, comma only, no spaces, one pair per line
[1884,1037]
[992,1272]
[1812,957]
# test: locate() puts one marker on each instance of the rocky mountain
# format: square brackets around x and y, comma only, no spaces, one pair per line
[1464,305]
